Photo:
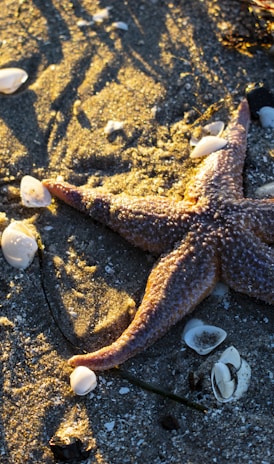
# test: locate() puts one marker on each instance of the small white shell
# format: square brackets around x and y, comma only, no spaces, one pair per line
[266,115]
[203,338]
[101,15]
[18,244]
[208,145]
[213,128]
[82,380]
[11,79]
[230,376]
[191,324]
[84,23]
[231,356]
[222,383]
[113,126]
[120,25]
[266,190]
[33,193]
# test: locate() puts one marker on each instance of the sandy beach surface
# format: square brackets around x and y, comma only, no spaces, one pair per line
[176,61]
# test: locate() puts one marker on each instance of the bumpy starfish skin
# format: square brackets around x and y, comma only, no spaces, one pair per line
[213,234]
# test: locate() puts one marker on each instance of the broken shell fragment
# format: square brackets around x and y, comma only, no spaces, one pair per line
[11,79]
[266,115]
[101,15]
[230,376]
[18,244]
[113,126]
[82,380]
[120,25]
[33,193]
[203,338]
[208,145]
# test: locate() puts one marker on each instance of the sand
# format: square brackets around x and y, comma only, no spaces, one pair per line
[176,61]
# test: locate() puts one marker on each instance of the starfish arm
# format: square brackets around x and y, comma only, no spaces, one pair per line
[152,224]
[220,173]
[248,265]
[255,215]
[178,282]
[262,218]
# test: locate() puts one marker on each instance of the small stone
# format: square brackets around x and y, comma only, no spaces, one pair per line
[109,426]
[124,390]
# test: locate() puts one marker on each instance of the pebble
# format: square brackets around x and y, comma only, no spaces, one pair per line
[124,390]
[109,425]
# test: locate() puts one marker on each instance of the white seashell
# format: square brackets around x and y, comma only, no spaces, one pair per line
[266,190]
[11,79]
[231,356]
[203,338]
[84,23]
[213,128]
[230,376]
[101,15]
[120,25]
[266,115]
[113,126]
[33,193]
[222,383]
[208,145]
[82,380]
[191,324]
[18,244]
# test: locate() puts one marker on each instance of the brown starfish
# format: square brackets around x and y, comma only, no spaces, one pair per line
[213,234]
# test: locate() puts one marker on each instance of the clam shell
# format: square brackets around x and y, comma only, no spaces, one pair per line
[11,79]
[266,115]
[230,376]
[33,193]
[204,338]
[213,128]
[231,356]
[208,145]
[222,383]
[82,380]
[18,245]
[191,324]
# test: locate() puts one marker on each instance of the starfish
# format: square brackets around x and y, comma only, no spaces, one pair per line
[213,234]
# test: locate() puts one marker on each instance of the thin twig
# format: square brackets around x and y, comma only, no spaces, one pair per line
[159,391]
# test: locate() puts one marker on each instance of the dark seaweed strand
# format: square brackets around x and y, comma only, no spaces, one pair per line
[159,391]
